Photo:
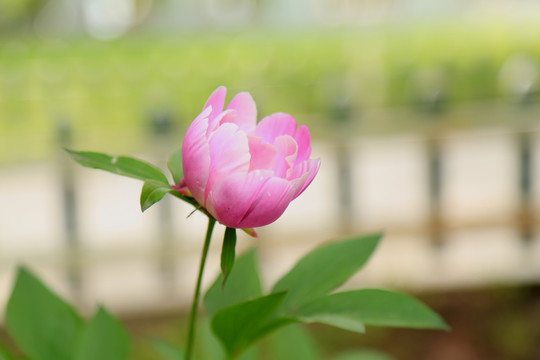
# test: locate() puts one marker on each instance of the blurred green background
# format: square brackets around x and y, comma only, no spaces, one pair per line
[107,90]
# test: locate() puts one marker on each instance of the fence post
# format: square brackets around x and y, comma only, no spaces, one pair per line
[526,217]
[161,123]
[431,101]
[519,77]
[435,190]
[69,206]
[341,114]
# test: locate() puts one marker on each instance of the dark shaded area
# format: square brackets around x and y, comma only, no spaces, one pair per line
[495,324]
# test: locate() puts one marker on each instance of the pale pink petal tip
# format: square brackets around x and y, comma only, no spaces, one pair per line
[275,125]
[216,100]
[251,232]
[246,111]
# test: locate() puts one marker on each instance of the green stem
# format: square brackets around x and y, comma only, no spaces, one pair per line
[195,303]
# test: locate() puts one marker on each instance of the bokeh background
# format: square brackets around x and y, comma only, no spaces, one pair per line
[425,114]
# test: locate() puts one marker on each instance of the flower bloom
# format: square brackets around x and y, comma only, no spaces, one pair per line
[243,173]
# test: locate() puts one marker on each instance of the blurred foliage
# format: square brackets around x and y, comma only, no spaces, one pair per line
[17,14]
[498,323]
[107,91]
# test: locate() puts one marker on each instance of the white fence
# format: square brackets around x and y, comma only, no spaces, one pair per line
[466,230]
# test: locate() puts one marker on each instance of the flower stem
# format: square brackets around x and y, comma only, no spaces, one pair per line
[195,303]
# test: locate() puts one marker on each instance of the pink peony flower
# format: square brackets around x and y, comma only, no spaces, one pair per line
[243,173]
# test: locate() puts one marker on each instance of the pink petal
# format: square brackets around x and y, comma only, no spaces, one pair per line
[246,111]
[231,198]
[229,154]
[308,167]
[303,139]
[286,150]
[227,116]
[298,184]
[216,100]
[272,200]
[196,158]
[275,125]
[262,154]
[204,113]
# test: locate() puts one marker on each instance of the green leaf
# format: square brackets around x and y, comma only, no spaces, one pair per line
[240,325]
[133,168]
[367,354]
[324,269]
[228,253]
[341,321]
[121,165]
[166,350]
[152,192]
[243,284]
[293,343]
[210,348]
[370,307]
[175,165]
[44,326]
[4,354]
[103,338]
[252,353]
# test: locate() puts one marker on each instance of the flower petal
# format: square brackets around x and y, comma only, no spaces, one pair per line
[230,199]
[227,116]
[216,100]
[273,198]
[229,154]
[204,114]
[251,232]
[246,111]
[275,125]
[303,139]
[196,158]
[286,151]
[309,167]
[262,154]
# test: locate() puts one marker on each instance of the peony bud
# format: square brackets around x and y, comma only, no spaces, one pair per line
[243,173]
